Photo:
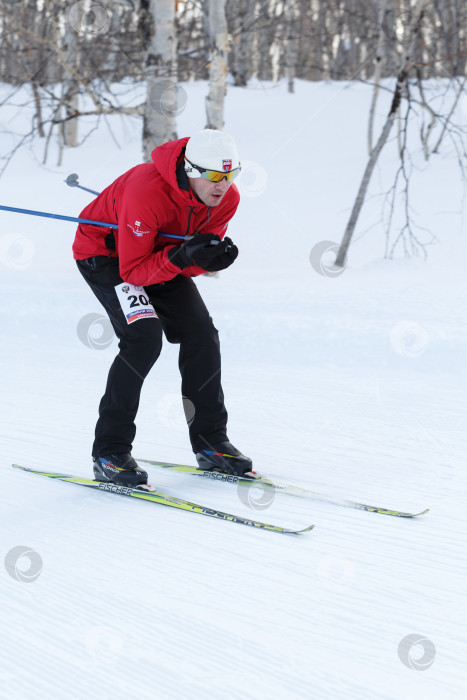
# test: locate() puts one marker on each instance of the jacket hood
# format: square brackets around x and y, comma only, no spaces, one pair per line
[167,158]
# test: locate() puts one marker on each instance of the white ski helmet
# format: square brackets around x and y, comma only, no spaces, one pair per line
[211,150]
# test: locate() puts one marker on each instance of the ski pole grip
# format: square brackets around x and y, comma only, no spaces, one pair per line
[72,180]
[190,238]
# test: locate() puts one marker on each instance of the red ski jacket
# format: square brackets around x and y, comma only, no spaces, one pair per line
[146,202]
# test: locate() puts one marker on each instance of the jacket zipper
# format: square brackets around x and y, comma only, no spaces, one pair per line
[189,220]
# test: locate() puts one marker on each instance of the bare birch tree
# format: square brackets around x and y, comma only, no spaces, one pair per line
[291,42]
[70,89]
[241,19]
[334,38]
[161,41]
[218,65]
[378,68]
[160,71]
[407,64]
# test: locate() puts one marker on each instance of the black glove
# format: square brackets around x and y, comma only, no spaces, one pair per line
[201,252]
[225,254]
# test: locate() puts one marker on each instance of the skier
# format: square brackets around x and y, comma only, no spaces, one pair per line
[142,275]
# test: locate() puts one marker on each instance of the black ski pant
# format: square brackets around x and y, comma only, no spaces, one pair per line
[184,319]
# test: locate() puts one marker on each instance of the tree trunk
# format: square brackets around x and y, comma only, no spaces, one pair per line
[374,155]
[240,22]
[377,76]
[70,89]
[291,44]
[38,114]
[160,70]
[218,65]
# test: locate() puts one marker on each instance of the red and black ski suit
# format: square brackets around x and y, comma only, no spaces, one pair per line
[146,202]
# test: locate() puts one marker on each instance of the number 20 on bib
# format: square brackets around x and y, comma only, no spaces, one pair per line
[134,302]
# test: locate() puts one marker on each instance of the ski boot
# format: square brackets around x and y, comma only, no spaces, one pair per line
[225,458]
[119,469]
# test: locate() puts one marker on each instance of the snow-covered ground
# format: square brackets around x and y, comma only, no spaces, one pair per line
[352,385]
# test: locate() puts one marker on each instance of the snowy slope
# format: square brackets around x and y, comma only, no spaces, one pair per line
[352,385]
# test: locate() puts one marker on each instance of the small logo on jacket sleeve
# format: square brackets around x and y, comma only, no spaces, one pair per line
[137,230]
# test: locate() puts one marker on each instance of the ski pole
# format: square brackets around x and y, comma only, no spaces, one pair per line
[62,217]
[58,216]
[72,181]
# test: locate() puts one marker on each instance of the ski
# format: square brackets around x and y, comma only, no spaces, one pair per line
[146,493]
[284,488]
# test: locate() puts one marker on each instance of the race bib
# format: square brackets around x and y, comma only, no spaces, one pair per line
[134,302]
